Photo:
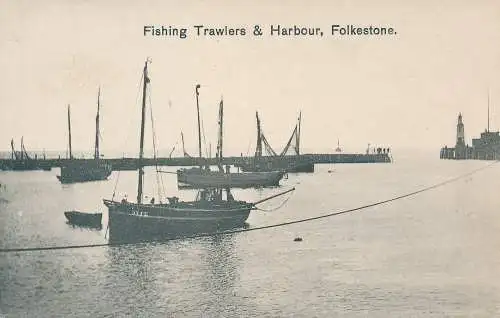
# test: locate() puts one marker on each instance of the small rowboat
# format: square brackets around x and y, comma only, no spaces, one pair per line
[84,219]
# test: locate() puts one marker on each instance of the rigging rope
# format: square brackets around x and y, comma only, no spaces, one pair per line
[131,120]
[410,194]
[126,139]
[204,139]
[159,180]
[116,185]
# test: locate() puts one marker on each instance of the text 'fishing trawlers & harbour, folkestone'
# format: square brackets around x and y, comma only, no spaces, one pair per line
[272,30]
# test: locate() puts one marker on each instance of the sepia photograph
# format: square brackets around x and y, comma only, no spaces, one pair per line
[249,159]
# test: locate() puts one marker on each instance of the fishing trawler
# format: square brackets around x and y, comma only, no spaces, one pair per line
[204,177]
[197,177]
[80,170]
[208,212]
[22,161]
[275,161]
[338,149]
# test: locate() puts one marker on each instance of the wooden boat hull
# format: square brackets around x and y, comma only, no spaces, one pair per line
[84,219]
[202,178]
[129,221]
[72,172]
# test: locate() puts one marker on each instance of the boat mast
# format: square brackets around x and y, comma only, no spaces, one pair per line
[219,141]
[69,133]
[488,111]
[141,146]
[96,152]
[199,127]
[297,137]
[22,148]
[258,149]
[14,154]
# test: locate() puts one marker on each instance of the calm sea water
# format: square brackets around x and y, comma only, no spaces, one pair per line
[431,255]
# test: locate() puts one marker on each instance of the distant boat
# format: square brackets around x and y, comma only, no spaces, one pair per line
[208,212]
[275,161]
[204,177]
[79,170]
[22,161]
[84,219]
[338,149]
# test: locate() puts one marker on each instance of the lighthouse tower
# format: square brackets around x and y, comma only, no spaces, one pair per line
[460,145]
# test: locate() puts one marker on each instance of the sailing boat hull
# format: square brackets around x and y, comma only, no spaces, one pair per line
[83,171]
[196,177]
[25,165]
[130,221]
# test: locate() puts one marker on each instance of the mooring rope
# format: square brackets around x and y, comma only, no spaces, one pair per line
[410,194]
[278,207]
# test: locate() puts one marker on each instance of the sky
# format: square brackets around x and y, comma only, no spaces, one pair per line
[400,91]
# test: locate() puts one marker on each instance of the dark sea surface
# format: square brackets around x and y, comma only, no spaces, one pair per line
[434,254]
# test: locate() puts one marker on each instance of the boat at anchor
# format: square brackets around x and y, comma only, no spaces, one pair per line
[277,161]
[204,177]
[22,161]
[209,212]
[73,171]
[201,177]
[84,219]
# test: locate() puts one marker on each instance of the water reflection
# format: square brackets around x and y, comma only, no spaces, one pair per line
[185,277]
[183,232]
[130,283]
[222,275]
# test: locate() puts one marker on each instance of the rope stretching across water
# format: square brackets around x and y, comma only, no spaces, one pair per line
[437,185]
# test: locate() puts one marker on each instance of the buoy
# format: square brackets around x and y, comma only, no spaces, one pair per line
[298,239]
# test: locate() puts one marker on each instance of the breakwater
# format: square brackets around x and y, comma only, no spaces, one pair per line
[133,163]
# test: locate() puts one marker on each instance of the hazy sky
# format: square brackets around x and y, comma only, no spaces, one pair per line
[401,91]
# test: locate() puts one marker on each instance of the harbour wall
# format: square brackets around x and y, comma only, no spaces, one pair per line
[132,163]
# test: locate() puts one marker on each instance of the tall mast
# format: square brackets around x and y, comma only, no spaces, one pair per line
[488,111]
[199,127]
[69,133]
[258,148]
[141,147]
[96,152]
[13,149]
[219,141]
[24,153]
[297,140]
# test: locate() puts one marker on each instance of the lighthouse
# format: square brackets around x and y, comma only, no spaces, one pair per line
[460,145]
